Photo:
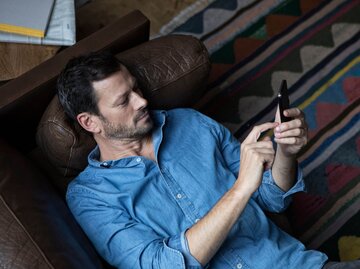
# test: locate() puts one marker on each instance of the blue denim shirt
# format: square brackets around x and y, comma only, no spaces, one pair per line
[136,211]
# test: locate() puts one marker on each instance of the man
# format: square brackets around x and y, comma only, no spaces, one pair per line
[172,189]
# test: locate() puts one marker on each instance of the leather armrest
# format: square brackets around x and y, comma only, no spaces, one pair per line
[37,229]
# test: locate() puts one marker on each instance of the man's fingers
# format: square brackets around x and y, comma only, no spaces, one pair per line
[255,133]
[259,145]
[294,113]
[298,132]
[291,141]
[267,152]
[296,123]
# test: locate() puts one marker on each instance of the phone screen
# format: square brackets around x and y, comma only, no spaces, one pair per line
[283,101]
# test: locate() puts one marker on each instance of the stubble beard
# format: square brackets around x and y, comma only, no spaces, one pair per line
[120,131]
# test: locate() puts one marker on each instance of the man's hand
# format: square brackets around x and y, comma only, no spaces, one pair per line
[291,136]
[255,156]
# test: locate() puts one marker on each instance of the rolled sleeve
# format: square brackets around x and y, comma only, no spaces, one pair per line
[180,243]
[272,198]
[172,258]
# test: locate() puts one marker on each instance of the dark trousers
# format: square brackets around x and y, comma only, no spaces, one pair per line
[343,265]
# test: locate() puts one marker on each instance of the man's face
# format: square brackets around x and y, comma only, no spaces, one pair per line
[123,110]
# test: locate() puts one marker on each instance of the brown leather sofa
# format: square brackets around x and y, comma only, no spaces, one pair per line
[41,151]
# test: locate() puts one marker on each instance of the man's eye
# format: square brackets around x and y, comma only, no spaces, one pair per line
[125,102]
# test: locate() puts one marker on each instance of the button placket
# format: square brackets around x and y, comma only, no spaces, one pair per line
[182,200]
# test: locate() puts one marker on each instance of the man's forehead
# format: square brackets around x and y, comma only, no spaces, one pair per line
[120,77]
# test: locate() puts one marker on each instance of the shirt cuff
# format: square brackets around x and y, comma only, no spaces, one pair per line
[278,199]
[180,243]
[298,186]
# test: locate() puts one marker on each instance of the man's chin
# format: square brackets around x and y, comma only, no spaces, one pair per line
[145,130]
[148,128]
[146,122]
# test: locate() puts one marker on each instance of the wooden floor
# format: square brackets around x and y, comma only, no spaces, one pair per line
[97,13]
[16,59]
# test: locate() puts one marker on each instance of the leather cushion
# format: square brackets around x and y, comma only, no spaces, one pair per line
[172,72]
[37,229]
[63,142]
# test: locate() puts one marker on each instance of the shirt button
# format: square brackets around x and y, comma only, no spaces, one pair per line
[178,195]
[138,160]
[197,220]
[239,266]
[105,164]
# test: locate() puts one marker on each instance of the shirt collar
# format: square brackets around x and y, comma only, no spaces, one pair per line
[159,119]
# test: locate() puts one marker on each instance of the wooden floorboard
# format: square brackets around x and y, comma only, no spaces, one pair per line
[97,13]
[91,16]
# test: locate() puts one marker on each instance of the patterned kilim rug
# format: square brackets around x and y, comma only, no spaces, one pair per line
[314,45]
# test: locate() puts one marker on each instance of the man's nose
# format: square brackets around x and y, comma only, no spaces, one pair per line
[139,101]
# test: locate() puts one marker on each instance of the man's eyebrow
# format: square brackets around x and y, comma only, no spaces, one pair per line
[119,98]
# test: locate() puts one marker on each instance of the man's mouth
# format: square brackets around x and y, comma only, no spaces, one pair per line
[143,115]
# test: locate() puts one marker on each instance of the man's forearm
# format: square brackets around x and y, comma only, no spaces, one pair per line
[290,137]
[207,235]
[284,170]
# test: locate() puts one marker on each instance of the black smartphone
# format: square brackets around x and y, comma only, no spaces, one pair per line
[283,101]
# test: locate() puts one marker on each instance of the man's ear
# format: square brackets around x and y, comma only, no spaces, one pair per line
[89,122]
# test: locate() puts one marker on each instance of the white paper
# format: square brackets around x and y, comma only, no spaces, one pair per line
[61,30]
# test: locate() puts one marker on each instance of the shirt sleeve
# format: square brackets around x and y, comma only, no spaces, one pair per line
[180,242]
[271,197]
[229,146]
[124,242]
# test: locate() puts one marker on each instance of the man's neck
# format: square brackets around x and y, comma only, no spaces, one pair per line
[116,149]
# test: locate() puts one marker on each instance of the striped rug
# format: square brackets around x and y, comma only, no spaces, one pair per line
[314,45]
